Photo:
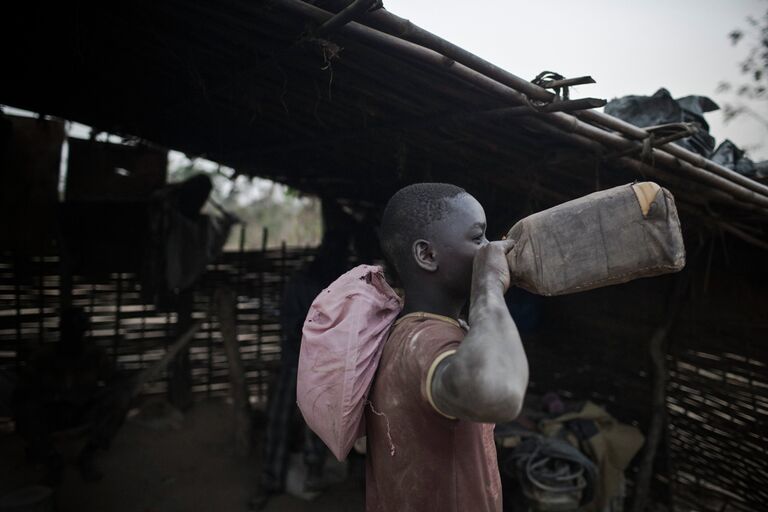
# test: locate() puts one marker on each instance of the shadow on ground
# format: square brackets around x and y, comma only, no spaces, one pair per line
[187,465]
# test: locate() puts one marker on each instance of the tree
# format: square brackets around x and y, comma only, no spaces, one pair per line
[752,94]
[288,215]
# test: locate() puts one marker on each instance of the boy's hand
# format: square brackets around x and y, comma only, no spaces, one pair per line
[485,380]
[490,267]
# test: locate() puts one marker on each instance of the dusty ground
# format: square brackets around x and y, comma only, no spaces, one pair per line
[159,468]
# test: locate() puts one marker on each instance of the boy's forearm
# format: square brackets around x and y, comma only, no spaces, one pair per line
[486,379]
[493,342]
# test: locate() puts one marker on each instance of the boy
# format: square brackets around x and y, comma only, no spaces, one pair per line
[440,388]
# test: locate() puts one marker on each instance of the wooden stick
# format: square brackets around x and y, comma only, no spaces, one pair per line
[725,226]
[567,82]
[658,354]
[570,123]
[226,302]
[179,370]
[388,22]
[504,92]
[687,188]
[645,169]
[674,150]
[350,12]
[154,370]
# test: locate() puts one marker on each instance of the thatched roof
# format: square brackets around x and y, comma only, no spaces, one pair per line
[353,112]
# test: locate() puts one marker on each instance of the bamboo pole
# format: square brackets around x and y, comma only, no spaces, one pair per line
[692,196]
[675,150]
[392,24]
[686,189]
[350,12]
[385,21]
[507,93]
[580,135]
[532,90]
[571,123]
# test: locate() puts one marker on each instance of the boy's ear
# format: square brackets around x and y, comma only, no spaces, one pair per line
[424,254]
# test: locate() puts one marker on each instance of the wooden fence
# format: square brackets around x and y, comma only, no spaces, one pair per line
[134,332]
[714,455]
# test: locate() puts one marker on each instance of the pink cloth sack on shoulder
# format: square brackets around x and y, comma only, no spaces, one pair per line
[343,336]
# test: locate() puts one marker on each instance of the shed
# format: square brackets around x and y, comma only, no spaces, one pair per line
[347,100]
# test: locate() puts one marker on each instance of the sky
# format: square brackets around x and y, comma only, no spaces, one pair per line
[628,47]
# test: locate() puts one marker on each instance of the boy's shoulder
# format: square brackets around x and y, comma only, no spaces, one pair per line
[429,324]
[419,338]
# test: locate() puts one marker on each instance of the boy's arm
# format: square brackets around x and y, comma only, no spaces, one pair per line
[485,380]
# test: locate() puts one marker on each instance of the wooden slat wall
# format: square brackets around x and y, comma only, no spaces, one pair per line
[586,346]
[595,345]
[134,332]
[718,408]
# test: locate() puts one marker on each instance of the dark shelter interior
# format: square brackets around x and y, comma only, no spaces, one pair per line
[348,102]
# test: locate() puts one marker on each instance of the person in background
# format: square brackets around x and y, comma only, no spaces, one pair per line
[283,416]
[66,386]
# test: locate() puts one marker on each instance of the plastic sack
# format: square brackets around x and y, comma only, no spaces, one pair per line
[343,336]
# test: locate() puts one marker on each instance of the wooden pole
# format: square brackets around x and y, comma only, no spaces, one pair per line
[171,352]
[209,349]
[696,192]
[118,318]
[399,27]
[570,123]
[180,381]
[40,299]
[725,179]
[21,349]
[350,12]
[725,226]
[226,303]
[674,150]
[262,311]
[658,354]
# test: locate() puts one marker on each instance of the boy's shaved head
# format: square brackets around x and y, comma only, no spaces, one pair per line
[408,215]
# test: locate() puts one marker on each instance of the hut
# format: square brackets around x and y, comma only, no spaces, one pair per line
[347,100]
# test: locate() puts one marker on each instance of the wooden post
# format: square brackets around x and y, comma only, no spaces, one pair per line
[21,352]
[262,393]
[180,378]
[65,281]
[209,350]
[226,302]
[124,395]
[656,431]
[171,352]
[40,300]
[118,318]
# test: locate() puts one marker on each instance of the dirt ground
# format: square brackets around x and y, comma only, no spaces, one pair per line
[169,463]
